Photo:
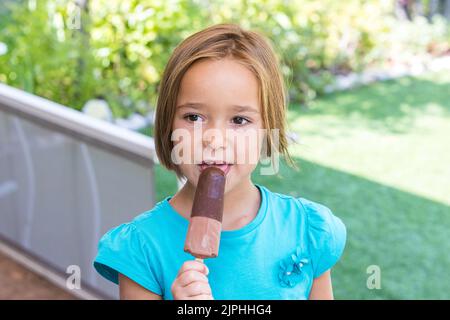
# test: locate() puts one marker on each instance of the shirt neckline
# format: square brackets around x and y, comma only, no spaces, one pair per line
[227,234]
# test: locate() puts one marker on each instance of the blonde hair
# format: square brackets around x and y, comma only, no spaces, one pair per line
[217,42]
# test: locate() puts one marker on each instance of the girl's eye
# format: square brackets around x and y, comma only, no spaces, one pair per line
[240,120]
[192,117]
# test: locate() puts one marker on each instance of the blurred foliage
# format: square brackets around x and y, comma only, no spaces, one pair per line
[117,49]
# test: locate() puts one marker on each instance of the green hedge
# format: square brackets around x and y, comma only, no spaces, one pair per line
[123,45]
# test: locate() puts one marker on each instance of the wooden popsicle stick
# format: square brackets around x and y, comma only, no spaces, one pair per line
[199,260]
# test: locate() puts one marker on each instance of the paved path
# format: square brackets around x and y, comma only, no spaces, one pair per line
[16,282]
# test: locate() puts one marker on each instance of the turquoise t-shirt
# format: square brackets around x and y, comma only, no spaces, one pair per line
[277,255]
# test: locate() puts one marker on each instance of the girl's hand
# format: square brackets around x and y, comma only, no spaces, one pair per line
[191,282]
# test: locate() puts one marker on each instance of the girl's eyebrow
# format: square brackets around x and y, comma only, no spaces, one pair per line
[238,108]
[194,105]
[244,109]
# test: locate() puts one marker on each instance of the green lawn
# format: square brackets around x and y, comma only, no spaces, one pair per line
[379,157]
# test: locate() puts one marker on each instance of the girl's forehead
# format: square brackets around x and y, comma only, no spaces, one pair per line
[223,80]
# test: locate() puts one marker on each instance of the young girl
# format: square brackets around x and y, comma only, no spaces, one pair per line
[272,246]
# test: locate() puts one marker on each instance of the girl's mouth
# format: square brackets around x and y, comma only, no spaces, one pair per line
[225,167]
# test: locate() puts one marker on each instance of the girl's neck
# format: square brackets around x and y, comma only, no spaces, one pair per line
[241,204]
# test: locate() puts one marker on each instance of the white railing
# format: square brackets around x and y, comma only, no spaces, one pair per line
[65,179]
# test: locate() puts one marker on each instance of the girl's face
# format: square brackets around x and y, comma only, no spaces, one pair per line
[218,115]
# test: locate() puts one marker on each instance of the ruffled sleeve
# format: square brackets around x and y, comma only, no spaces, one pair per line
[326,234]
[123,250]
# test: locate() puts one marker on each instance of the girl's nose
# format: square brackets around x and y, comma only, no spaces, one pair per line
[214,141]
[214,138]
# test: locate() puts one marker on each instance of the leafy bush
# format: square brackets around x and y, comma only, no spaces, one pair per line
[123,45]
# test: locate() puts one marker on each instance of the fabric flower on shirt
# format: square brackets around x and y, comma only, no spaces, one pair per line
[290,272]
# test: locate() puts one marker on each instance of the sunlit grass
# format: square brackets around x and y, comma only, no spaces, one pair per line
[401,140]
[378,157]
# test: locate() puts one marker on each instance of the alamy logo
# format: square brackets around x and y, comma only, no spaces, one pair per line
[74,280]
[374,278]
[249,146]
[74,17]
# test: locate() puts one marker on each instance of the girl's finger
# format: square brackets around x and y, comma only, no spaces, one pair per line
[196,288]
[202,297]
[193,265]
[190,276]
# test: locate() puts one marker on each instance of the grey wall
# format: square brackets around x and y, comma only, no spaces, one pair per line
[58,195]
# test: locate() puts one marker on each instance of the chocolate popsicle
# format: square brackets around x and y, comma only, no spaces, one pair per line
[203,236]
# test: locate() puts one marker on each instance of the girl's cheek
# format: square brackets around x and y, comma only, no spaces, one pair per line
[197,149]
[248,148]
[183,148]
